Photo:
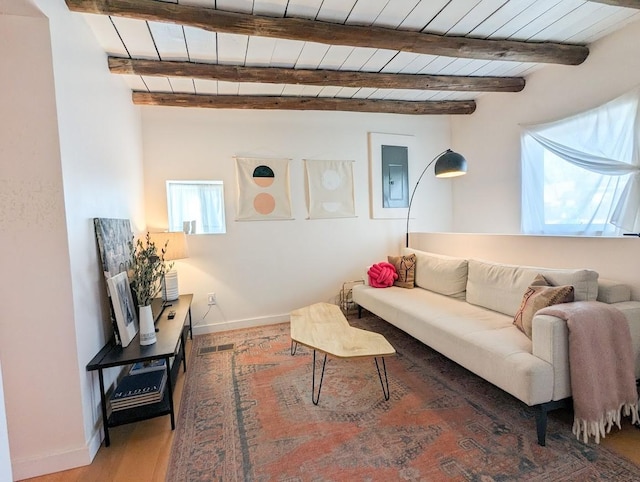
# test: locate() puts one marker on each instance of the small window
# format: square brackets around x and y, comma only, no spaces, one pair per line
[196,207]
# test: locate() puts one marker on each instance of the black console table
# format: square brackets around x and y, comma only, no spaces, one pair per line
[170,344]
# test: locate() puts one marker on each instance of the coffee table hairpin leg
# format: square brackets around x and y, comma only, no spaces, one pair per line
[315,399]
[385,391]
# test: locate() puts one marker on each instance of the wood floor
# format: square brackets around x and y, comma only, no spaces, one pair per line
[140,452]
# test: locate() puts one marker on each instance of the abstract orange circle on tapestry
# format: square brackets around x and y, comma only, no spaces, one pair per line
[264,203]
[263,176]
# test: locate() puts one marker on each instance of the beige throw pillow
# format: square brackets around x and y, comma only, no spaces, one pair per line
[540,295]
[406,269]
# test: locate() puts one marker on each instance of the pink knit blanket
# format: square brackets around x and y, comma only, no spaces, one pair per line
[601,366]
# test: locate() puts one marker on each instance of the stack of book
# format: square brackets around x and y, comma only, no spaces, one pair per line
[147,366]
[139,389]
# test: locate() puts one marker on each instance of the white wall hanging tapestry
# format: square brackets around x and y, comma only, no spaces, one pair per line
[330,189]
[263,189]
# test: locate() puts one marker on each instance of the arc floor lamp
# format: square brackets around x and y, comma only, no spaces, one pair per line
[448,164]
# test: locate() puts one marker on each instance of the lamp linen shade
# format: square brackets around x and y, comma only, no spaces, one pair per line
[176,248]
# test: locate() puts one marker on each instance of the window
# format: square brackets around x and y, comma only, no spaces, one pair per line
[196,207]
[579,175]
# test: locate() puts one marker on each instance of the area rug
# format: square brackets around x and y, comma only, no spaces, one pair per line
[246,415]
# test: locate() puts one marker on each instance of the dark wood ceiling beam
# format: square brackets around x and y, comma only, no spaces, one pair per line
[304,103]
[272,75]
[620,3]
[335,34]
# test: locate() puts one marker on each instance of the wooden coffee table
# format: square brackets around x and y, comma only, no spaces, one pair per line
[323,327]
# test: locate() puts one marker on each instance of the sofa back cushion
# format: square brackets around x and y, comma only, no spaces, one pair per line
[442,274]
[610,291]
[500,287]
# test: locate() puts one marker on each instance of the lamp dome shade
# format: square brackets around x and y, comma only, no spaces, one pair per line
[450,164]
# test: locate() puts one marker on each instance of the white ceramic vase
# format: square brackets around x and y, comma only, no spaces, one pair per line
[147,327]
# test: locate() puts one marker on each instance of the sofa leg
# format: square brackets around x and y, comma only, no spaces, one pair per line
[541,417]
[541,424]
[359,311]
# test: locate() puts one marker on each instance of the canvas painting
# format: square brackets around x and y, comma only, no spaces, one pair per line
[113,237]
[263,189]
[330,189]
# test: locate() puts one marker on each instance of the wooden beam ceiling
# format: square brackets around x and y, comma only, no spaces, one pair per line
[304,103]
[620,3]
[272,75]
[335,34]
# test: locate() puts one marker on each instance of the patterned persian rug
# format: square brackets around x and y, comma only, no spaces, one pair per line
[246,415]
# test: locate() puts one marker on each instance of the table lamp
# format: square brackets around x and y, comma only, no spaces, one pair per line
[176,243]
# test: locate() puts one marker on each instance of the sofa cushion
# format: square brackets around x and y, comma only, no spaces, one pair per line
[406,269]
[382,275]
[500,287]
[610,291]
[446,275]
[537,296]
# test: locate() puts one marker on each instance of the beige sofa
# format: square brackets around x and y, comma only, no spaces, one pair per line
[464,309]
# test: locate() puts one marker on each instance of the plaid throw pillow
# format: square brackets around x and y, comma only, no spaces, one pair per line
[406,269]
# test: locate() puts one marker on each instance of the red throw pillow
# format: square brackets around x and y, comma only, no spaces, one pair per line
[382,275]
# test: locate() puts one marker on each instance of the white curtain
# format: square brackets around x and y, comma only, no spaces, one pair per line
[201,202]
[604,140]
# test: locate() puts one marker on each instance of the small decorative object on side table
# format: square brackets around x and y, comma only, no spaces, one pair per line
[147,272]
[175,244]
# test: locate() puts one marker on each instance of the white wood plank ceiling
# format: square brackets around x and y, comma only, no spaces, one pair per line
[559,21]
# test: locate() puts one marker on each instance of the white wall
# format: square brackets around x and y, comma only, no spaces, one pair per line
[262,270]
[70,148]
[487,199]
[613,258]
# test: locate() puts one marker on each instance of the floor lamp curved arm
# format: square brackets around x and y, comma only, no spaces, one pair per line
[448,164]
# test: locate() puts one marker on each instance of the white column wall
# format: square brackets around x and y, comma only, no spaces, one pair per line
[487,199]
[70,146]
[37,336]
[5,452]
[262,270]
[101,155]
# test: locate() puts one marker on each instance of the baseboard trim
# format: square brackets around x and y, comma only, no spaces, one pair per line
[37,466]
[239,324]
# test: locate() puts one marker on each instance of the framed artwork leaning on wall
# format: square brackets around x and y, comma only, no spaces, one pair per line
[123,307]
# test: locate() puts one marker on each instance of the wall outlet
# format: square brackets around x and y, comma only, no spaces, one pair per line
[211,299]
